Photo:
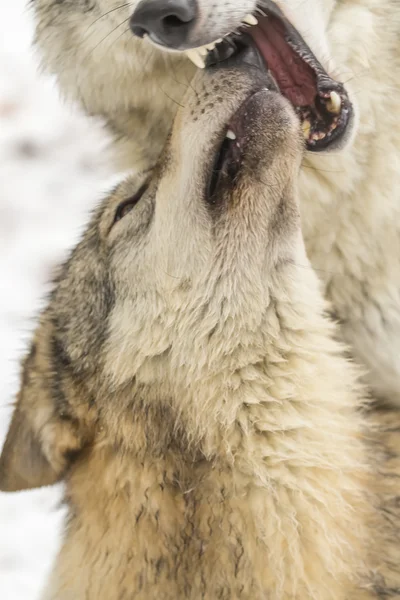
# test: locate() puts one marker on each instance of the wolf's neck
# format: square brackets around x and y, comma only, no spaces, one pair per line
[281,394]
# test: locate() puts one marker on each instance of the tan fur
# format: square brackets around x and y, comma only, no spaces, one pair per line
[349,200]
[185,381]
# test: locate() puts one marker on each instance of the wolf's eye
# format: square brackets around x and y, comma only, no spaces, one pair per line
[127,205]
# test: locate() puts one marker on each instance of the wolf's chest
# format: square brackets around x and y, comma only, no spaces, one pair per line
[153,540]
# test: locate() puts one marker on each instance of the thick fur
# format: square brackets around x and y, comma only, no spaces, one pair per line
[186,383]
[349,201]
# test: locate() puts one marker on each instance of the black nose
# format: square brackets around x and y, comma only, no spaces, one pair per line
[166,22]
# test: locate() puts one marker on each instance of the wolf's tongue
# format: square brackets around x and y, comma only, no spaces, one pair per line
[321,103]
[295,78]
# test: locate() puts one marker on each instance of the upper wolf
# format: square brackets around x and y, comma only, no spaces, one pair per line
[349,199]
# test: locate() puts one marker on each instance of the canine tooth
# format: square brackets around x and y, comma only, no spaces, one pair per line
[334,103]
[212,45]
[261,12]
[318,135]
[196,58]
[306,127]
[250,20]
[230,135]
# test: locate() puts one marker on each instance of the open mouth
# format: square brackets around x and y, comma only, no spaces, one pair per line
[230,153]
[321,103]
[226,165]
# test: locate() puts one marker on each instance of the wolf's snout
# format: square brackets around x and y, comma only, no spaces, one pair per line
[166,22]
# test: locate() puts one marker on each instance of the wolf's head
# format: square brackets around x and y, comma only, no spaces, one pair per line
[176,281]
[119,56]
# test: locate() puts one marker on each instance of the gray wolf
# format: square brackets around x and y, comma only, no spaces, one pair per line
[349,196]
[185,382]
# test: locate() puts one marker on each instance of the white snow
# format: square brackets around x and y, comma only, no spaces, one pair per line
[51,173]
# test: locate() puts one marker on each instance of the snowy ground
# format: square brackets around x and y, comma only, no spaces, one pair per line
[50,175]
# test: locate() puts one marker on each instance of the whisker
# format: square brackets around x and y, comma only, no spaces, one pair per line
[108,13]
[108,35]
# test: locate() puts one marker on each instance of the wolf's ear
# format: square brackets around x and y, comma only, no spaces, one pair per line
[44,436]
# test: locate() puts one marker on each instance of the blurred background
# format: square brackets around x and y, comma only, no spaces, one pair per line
[52,171]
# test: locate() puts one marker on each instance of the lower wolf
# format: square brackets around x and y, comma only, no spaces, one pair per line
[187,385]
[349,198]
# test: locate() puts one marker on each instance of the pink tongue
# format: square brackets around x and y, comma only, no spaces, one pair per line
[295,78]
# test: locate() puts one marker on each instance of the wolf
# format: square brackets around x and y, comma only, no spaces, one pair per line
[136,84]
[337,61]
[185,382]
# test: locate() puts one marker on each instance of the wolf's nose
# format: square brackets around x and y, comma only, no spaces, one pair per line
[166,22]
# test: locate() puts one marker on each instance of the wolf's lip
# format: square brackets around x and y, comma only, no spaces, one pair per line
[322,103]
[229,154]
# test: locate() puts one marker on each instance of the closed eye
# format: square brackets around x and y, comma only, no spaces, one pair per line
[126,206]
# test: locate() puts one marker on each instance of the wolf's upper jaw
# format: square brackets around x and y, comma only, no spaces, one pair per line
[322,104]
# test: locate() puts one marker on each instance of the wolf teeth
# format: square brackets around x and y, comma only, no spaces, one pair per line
[334,103]
[196,58]
[318,135]
[230,135]
[306,127]
[250,20]
[197,55]
[213,44]
[261,12]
